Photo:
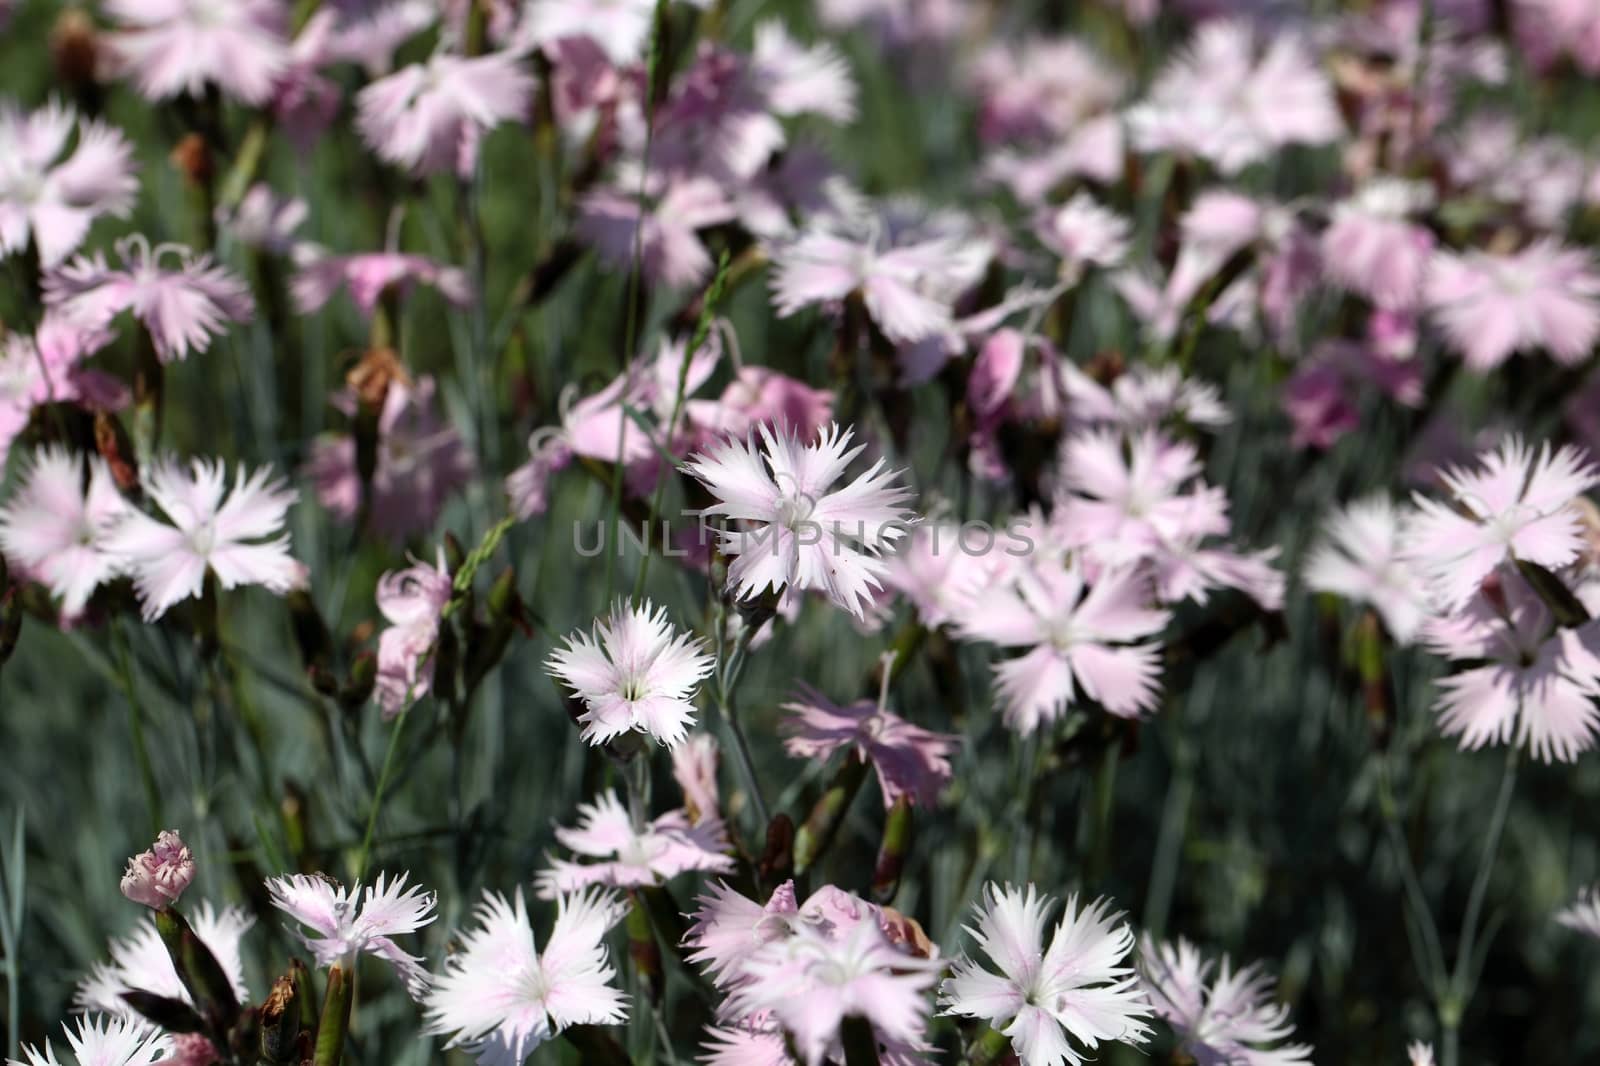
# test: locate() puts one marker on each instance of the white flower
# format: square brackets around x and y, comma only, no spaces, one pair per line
[1583,913]
[1231,1019]
[660,851]
[56,525]
[1361,560]
[330,911]
[105,1042]
[141,961]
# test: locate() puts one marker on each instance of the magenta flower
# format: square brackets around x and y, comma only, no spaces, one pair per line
[662,235]
[175,47]
[182,309]
[1219,1014]
[1079,638]
[803,533]
[50,196]
[1078,986]
[1489,306]
[413,602]
[910,761]
[1514,505]
[429,117]
[240,539]
[651,855]
[1362,559]
[141,961]
[55,524]
[339,930]
[157,877]
[1370,246]
[368,275]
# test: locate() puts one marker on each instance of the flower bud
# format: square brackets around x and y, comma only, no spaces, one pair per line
[74,48]
[157,877]
[280,1021]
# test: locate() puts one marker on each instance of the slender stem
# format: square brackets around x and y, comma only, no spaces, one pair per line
[1169,839]
[1433,966]
[141,751]
[636,774]
[747,766]
[377,795]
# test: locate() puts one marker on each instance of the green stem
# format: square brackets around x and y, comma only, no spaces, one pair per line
[141,751]
[377,796]
[335,1019]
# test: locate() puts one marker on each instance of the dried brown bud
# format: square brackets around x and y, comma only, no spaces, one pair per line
[371,375]
[74,48]
[192,158]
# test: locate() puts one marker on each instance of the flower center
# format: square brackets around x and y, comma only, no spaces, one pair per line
[795,509]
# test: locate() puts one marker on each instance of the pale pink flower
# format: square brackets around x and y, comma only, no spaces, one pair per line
[910,761]
[339,930]
[744,1046]
[413,602]
[1083,234]
[620,27]
[1419,1054]
[1220,1015]
[304,102]
[654,854]
[760,396]
[1583,914]
[942,570]
[1490,306]
[728,926]
[141,961]
[368,275]
[1513,505]
[176,47]
[370,36]
[803,532]
[1549,29]
[1078,986]
[45,368]
[192,1049]
[54,525]
[50,196]
[1320,405]
[1531,684]
[105,1042]
[500,997]
[429,117]
[634,672]
[1143,397]
[157,876]
[1095,150]
[798,79]
[694,768]
[1361,559]
[661,236]
[1041,89]
[265,220]
[182,308]
[1372,248]
[1079,638]
[240,539]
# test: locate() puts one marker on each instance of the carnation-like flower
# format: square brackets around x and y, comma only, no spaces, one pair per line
[1583,913]
[1362,560]
[1514,505]
[799,79]
[340,930]
[500,997]
[240,539]
[1219,1014]
[429,117]
[803,533]
[263,219]
[47,368]
[1083,234]
[182,308]
[1371,247]
[1419,1054]
[54,525]
[694,768]
[1490,306]
[1143,397]
[141,962]
[413,602]
[1080,986]
[157,876]
[620,27]
[660,232]
[910,761]
[105,1042]
[634,672]
[369,274]
[51,196]
[656,853]
[176,47]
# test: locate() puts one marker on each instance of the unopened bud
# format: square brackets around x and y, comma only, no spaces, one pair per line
[191,157]
[157,877]
[74,48]
[280,1021]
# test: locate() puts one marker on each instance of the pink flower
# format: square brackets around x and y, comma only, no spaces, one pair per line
[694,768]
[429,117]
[661,237]
[1515,505]
[55,524]
[621,27]
[656,853]
[727,927]
[413,601]
[182,309]
[1143,397]
[758,396]
[910,761]
[803,533]
[265,220]
[1226,1018]
[44,368]
[1083,234]
[1041,89]
[51,196]
[1361,559]
[340,930]
[1583,914]
[158,876]
[192,1049]
[141,961]
[1318,402]
[1538,687]
[421,462]
[1489,306]
[1370,246]
[1079,637]
[1077,986]
[1549,29]
[942,571]
[371,35]
[500,997]
[370,274]
[107,1042]
[241,539]
[634,672]
[176,47]
[798,79]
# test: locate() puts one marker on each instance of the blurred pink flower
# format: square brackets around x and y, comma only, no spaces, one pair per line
[742,1045]
[621,27]
[304,102]
[1228,1017]
[192,1049]
[1361,559]
[1547,30]
[55,523]
[942,571]
[157,876]
[1041,89]
[369,274]
[176,47]
[634,672]
[758,396]
[45,368]
[413,602]
[1078,985]
[1583,914]
[141,961]
[800,79]
[370,35]
[340,931]
[1079,637]
[1419,1054]
[1083,234]
[651,855]
[106,1042]
[50,195]
[1489,306]
[663,238]
[182,309]
[1514,505]
[1143,397]
[694,768]
[1319,402]
[500,997]
[264,220]
[910,761]
[803,532]
[429,117]
[1372,248]
[241,539]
